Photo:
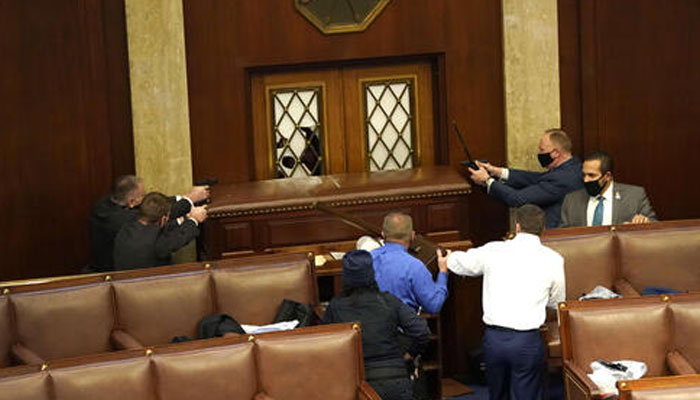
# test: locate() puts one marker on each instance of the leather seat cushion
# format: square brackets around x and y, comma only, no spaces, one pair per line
[667,258]
[641,332]
[253,295]
[588,261]
[154,310]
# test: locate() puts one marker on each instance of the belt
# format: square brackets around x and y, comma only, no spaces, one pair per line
[379,373]
[504,329]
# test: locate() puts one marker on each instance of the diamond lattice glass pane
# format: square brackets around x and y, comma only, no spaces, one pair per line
[389,122]
[297,130]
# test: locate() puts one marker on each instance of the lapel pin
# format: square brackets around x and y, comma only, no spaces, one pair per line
[617,196]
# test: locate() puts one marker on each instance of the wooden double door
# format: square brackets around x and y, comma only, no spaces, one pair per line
[342,119]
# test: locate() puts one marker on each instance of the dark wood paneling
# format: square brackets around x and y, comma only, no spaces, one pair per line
[226,40]
[639,95]
[65,117]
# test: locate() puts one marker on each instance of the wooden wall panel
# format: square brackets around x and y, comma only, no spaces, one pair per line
[66,130]
[639,95]
[227,40]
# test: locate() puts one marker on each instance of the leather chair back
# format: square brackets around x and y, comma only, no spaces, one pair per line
[686,327]
[221,373]
[661,257]
[324,357]
[589,260]
[624,331]
[5,332]
[113,380]
[686,393]
[34,386]
[66,322]
[252,295]
[154,310]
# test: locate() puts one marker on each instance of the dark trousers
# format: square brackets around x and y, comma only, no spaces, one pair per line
[392,389]
[514,364]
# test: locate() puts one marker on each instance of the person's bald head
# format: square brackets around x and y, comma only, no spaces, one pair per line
[398,227]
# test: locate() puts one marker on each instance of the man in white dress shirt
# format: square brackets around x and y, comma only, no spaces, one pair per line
[521,278]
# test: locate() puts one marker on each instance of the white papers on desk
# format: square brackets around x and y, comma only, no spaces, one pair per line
[280,326]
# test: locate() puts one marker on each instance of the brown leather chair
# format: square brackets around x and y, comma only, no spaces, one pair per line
[75,316]
[667,255]
[323,362]
[62,322]
[658,330]
[155,310]
[625,258]
[685,387]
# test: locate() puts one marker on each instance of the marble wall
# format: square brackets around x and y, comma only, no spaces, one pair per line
[159,94]
[158,74]
[531,66]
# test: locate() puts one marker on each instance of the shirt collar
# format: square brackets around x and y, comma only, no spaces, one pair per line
[607,194]
[394,246]
[527,238]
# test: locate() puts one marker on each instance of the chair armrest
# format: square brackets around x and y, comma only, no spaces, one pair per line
[583,382]
[26,356]
[365,392]
[123,341]
[678,364]
[625,289]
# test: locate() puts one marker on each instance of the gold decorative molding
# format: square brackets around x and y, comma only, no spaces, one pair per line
[338,203]
[340,16]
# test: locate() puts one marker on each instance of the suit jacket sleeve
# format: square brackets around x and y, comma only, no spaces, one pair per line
[645,207]
[518,179]
[180,208]
[548,190]
[174,237]
[567,209]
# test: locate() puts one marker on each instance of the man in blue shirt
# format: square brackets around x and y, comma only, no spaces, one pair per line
[403,275]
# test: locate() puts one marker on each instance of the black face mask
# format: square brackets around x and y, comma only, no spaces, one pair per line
[545,159]
[593,187]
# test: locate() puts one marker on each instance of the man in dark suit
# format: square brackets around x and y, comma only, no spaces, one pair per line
[151,239]
[111,212]
[544,189]
[603,201]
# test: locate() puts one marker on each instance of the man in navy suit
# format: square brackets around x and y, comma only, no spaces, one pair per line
[545,189]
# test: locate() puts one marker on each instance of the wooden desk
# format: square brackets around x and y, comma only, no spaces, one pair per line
[278,215]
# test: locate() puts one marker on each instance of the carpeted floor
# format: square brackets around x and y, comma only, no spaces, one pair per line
[556,390]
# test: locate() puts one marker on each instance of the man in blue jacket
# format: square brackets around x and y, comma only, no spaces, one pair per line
[544,189]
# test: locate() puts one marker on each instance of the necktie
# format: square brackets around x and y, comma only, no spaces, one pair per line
[598,213]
